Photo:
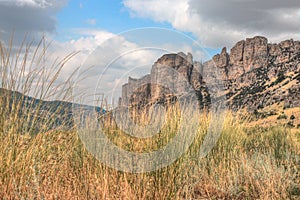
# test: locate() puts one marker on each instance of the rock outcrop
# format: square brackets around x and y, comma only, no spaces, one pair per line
[253,75]
[171,76]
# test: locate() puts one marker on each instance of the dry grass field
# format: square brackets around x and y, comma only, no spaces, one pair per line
[249,161]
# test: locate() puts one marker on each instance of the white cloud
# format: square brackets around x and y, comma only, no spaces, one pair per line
[220,23]
[103,58]
[84,45]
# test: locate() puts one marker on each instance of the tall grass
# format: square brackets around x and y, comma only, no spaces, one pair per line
[26,71]
[246,163]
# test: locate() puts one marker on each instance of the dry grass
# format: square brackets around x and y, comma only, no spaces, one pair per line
[26,70]
[246,163]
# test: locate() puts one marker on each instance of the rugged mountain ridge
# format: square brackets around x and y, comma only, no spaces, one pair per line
[253,75]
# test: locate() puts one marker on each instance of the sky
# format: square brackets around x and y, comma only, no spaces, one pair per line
[121,38]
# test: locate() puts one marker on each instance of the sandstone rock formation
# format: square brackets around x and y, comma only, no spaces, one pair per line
[254,74]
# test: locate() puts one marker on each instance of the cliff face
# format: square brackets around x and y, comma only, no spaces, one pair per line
[171,76]
[254,74]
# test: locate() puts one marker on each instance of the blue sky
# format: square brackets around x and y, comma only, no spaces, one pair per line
[110,15]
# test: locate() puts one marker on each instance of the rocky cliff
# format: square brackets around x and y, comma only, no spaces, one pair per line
[253,75]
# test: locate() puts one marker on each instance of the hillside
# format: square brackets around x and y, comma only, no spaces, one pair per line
[36,115]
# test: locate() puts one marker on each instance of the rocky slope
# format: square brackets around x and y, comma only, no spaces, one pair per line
[253,75]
